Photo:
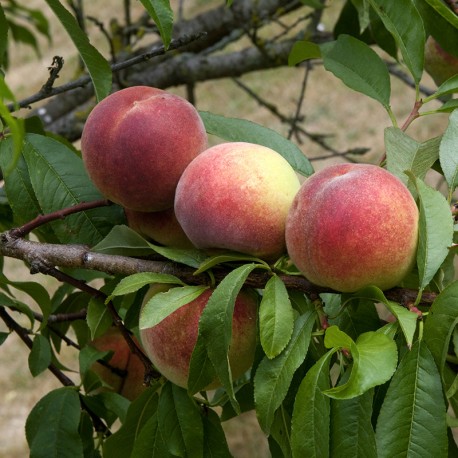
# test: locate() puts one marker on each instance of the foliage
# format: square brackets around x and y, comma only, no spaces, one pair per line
[331,377]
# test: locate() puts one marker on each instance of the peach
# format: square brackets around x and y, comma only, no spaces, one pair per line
[161,227]
[353,225]
[438,63]
[170,343]
[129,385]
[136,144]
[236,196]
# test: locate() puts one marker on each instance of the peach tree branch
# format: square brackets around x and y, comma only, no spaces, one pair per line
[42,256]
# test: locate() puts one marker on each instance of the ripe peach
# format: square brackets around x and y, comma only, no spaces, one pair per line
[353,225]
[236,196]
[131,384]
[136,144]
[438,63]
[170,343]
[161,227]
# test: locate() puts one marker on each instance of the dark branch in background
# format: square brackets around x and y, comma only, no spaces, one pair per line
[84,80]
[24,336]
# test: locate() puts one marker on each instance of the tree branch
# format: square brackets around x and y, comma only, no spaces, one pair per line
[45,255]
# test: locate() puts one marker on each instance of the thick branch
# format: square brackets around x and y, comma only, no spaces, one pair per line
[38,255]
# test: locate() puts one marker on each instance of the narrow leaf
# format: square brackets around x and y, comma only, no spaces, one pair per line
[97,66]
[59,180]
[435,231]
[403,21]
[412,418]
[273,376]
[3,36]
[40,355]
[241,130]
[448,152]
[162,15]
[210,354]
[150,443]
[162,304]
[134,282]
[180,422]
[215,444]
[351,427]
[311,413]
[52,425]
[303,50]
[344,58]
[404,153]
[98,317]
[122,442]
[374,361]
[276,318]
[440,324]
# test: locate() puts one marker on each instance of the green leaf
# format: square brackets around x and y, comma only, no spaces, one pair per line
[404,153]
[18,306]
[16,127]
[374,357]
[273,376]
[210,355]
[449,86]
[311,413]
[162,304]
[18,187]
[150,443]
[440,324]
[439,22]
[213,261]
[40,355]
[276,318]
[180,422]
[98,317]
[359,67]
[215,445]
[241,130]
[122,240]
[448,152]
[162,15]
[412,417]
[36,291]
[97,66]
[140,411]
[52,425]
[351,427]
[59,180]
[134,282]
[406,319]
[403,21]
[303,50]
[435,231]
[3,36]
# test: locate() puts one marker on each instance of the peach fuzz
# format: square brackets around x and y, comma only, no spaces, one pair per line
[351,226]
[171,342]
[161,227]
[136,144]
[131,385]
[236,196]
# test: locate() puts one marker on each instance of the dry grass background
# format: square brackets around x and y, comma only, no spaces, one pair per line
[329,107]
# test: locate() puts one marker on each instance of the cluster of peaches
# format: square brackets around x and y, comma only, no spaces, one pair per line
[345,227]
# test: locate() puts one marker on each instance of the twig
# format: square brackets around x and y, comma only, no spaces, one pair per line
[24,336]
[59,214]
